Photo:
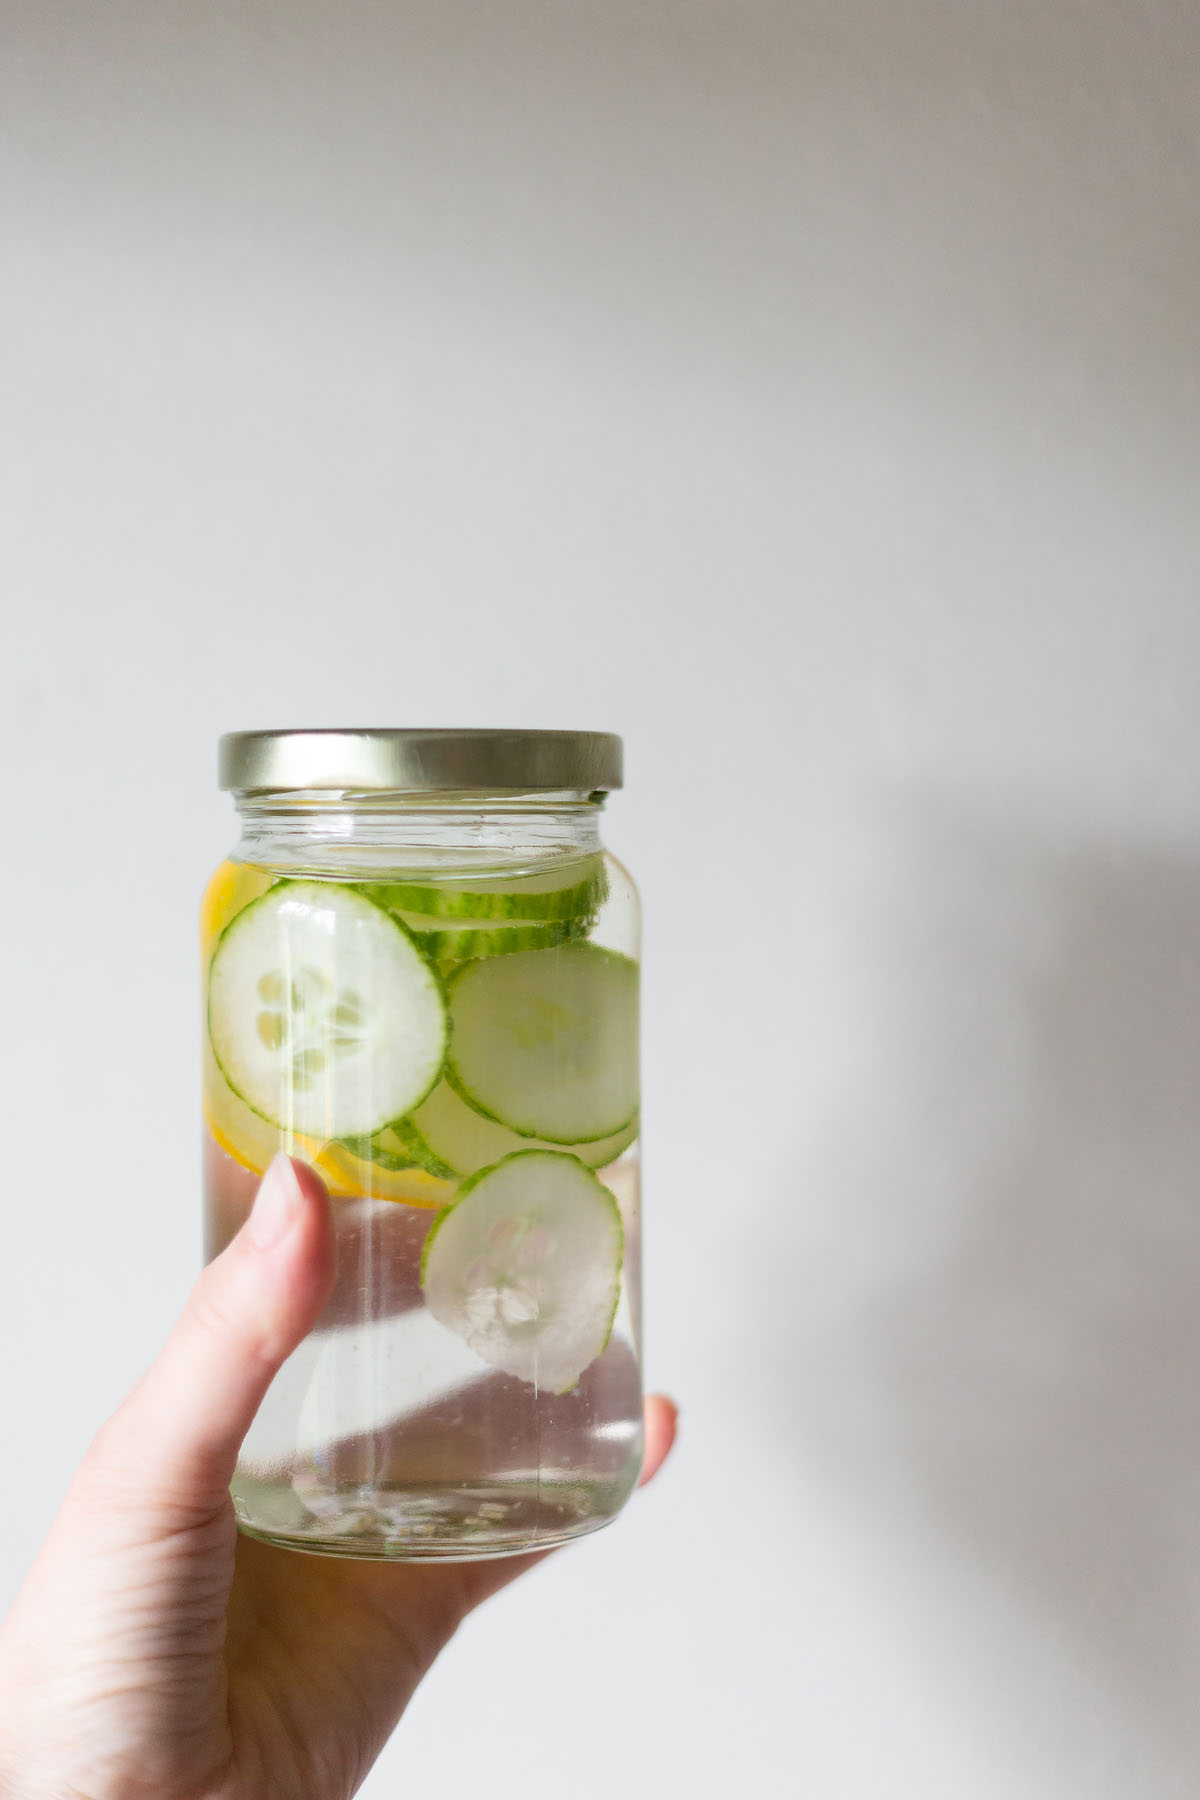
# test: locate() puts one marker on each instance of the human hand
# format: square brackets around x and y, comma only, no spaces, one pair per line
[153,1654]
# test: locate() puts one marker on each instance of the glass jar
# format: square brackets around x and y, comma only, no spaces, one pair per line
[421,975]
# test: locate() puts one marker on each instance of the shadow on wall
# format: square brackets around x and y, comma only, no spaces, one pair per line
[1017,1356]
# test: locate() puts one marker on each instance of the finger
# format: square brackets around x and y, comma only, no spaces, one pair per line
[181,1428]
[662,1423]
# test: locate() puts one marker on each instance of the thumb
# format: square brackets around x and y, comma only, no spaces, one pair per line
[179,1431]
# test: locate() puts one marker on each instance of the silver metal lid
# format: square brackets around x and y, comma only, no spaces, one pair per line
[524,762]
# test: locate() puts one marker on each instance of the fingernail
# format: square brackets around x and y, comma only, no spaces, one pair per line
[277,1204]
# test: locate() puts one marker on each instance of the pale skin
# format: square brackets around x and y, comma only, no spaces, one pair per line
[153,1654]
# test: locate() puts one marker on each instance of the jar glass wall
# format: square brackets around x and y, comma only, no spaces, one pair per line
[433,998]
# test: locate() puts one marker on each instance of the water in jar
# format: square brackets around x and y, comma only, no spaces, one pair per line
[457,1057]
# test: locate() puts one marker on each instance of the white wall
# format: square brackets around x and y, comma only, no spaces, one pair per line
[810,393]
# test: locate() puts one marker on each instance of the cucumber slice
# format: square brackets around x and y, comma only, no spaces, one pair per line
[451,941]
[547,1041]
[525,1266]
[459,1139]
[346,1173]
[566,892]
[401,1146]
[323,1015]
[389,1148]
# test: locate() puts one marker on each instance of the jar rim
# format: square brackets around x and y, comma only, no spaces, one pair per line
[441,760]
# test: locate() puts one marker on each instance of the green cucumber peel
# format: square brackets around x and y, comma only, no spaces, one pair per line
[396,1148]
[545,896]
[407,1134]
[444,941]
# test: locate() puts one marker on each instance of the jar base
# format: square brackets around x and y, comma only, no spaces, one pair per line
[432,1524]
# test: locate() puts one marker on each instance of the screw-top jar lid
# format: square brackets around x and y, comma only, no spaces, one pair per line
[524,762]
